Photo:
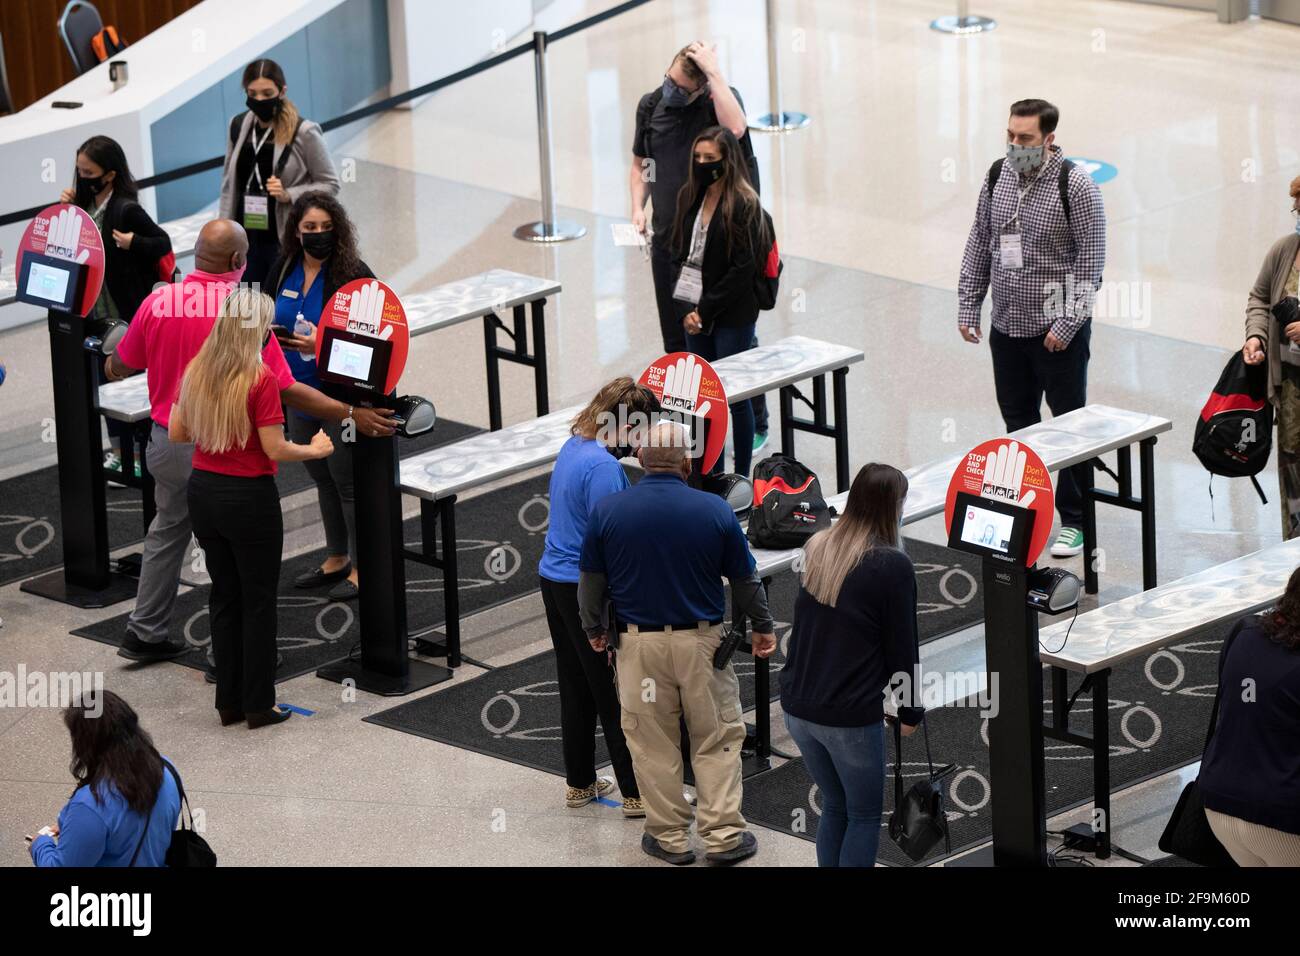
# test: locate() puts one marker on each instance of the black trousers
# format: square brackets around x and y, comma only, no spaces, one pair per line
[1023,373]
[239,524]
[671,313]
[587,691]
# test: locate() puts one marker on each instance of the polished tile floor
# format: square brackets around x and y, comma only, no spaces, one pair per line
[872,203]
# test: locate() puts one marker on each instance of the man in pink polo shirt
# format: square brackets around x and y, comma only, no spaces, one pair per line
[166,333]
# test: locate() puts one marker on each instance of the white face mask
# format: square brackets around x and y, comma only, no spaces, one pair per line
[1026,159]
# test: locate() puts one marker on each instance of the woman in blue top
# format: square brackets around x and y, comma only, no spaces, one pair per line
[318,256]
[586,471]
[125,806]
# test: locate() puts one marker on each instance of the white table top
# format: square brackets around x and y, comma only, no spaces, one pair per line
[441,472]
[493,291]
[1139,624]
[1064,441]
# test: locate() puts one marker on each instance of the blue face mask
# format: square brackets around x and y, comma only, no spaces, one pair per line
[1297,227]
[674,96]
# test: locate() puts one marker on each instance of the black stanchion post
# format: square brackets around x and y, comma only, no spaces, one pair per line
[85,580]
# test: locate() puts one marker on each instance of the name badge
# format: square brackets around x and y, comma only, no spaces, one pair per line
[256,212]
[690,285]
[1011,254]
[288,293]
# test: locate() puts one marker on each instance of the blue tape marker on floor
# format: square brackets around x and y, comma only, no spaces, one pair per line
[608,802]
[296,710]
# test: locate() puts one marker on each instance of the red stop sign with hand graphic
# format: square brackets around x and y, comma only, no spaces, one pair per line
[67,232]
[686,384]
[369,307]
[1005,470]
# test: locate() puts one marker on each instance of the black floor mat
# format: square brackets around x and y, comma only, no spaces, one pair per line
[1159,706]
[30,537]
[513,713]
[314,630]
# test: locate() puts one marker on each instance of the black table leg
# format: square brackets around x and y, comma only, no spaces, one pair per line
[1148,481]
[450,579]
[539,358]
[839,385]
[787,420]
[1090,556]
[1101,761]
[490,323]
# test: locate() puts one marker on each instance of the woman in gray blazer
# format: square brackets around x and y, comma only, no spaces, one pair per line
[273,156]
[1269,340]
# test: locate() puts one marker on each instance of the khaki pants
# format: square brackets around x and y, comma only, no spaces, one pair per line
[1253,844]
[661,677]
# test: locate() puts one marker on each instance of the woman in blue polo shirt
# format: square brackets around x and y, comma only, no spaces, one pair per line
[586,471]
[318,256]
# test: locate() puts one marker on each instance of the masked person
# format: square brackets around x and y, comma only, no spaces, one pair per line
[319,256]
[694,97]
[133,245]
[1039,240]
[273,156]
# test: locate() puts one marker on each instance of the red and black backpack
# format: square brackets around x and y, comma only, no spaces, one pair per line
[1234,435]
[789,507]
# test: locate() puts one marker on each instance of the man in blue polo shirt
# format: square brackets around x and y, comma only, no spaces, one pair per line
[661,550]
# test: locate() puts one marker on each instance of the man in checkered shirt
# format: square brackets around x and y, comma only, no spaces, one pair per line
[1044,262]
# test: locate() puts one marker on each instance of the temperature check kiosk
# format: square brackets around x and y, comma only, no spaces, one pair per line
[999,507]
[361,349]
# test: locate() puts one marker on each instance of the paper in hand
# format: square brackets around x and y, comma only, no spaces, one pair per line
[625,234]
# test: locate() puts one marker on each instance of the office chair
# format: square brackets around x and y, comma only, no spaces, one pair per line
[78,26]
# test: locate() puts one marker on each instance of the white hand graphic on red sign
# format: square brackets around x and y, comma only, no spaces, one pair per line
[682,387]
[365,310]
[1004,472]
[63,236]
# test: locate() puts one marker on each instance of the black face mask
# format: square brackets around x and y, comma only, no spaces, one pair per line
[318,245]
[88,189]
[708,173]
[265,110]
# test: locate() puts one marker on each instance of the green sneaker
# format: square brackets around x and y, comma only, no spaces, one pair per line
[760,441]
[1068,543]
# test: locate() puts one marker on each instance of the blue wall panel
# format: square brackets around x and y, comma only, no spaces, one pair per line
[331,65]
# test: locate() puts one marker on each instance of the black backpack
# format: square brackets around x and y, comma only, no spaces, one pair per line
[1234,435]
[1062,183]
[789,507]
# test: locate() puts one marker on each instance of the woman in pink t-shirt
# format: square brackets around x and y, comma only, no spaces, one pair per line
[229,406]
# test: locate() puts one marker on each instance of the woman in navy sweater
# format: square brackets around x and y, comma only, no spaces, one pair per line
[1250,774]
[854,632]
[126,804]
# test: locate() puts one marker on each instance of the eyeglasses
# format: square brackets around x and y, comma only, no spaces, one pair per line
[680,89]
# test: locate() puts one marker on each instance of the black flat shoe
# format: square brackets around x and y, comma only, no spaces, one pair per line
[316,578]
[345,590]
[265,718]
[229,717]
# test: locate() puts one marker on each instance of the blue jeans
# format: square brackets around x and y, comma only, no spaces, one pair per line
[848,765]
[719,344]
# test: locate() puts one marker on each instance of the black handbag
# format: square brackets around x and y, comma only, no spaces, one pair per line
[1188,833]
[918,822]
[187,847]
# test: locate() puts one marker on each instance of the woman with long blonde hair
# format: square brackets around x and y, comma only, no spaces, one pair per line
[229,407]
[854,635]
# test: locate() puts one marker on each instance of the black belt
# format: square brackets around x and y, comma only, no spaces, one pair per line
[622,628]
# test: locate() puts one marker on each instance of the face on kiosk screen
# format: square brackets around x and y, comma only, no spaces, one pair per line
[990,528]
[349,358]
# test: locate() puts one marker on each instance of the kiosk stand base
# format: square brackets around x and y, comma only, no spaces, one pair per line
[419,675]
[56,587]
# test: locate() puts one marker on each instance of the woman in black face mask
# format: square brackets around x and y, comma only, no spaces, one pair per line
[318,257]
[721,235]
[133,244]
[273,156]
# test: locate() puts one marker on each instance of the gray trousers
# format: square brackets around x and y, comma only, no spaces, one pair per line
[333,477]
[168,540]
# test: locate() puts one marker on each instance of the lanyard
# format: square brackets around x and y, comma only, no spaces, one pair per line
[257,148]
